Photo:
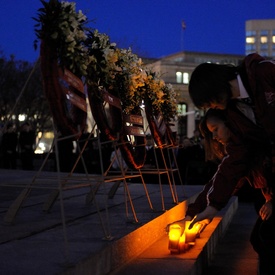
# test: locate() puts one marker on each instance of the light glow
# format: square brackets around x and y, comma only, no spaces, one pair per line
[21,117]
[191,234]
[181,237]
[250,40]
[263,39]
[175,233]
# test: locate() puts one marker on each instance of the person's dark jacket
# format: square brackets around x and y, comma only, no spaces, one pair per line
[258,77]
[248,156]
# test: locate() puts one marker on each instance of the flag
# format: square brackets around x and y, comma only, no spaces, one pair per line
[183,25]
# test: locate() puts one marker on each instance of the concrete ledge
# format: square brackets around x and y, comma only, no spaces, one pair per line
[205,245]
[158,260]
[151,242]
[130,246]
[38,241]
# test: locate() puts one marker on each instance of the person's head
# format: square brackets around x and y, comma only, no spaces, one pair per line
[209,85]
[186,142]
[216,133]
[10,128]
[196,133]
[26,127]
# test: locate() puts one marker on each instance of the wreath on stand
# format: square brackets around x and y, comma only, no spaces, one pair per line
[63,59]
[117,83]
[113,78]
[160,109]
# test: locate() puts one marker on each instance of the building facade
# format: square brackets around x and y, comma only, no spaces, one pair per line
[260,37]
[176,69]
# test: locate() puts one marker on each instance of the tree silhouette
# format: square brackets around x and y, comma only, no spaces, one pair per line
[21,92]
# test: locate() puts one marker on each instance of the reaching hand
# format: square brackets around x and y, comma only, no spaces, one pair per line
[207,214]
[266,210]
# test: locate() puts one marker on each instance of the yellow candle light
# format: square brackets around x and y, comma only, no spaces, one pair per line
[175,233]
[191,234]
[183,246]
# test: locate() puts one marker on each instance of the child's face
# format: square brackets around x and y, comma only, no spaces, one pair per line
[218,129]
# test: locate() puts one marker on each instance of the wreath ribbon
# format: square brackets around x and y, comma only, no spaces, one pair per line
[115,126]
[65,94]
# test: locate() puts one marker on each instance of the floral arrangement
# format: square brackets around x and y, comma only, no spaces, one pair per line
[123,74]
[91,54]
[118,70]
[129,80]
[103,57]
[162,96]
[63,29]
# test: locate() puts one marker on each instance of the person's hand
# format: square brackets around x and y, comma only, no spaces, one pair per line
[206,216]
[181,223]
[266,211]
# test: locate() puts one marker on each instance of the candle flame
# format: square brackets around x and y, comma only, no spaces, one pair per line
[175,232]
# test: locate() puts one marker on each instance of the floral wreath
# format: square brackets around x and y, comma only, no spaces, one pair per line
[63,56]
[90,54]
[85,52]
[64,29]
[118,72]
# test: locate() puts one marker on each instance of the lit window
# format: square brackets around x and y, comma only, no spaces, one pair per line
[179,77]
[182,108]
[273,39]
[250,40]
[185,78]
[263,39]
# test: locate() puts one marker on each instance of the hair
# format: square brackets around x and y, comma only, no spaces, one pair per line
[210,83]
[214,150]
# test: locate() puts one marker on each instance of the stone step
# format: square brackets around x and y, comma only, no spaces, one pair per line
[157,259]
[145,250]
[37,242]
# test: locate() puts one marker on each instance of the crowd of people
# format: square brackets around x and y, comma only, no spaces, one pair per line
[17,145]
[192,165]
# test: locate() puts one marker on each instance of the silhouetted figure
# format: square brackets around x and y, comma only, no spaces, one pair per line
[196,138]
[9,147]
[65,154]
[26,146]
[150,155]
[194,169]
[87,155]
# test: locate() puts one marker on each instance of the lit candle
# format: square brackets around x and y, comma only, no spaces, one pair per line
[191,234]
[182,245]
[175,233]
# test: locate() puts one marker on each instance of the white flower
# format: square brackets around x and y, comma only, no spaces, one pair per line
[91,54]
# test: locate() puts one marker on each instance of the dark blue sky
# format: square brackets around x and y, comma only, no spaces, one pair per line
[151,27]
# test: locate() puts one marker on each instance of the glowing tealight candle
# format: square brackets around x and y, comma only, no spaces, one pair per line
[191,234]
[182,245]
[175,233]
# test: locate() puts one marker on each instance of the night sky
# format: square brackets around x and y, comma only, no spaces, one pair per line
[152,28]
